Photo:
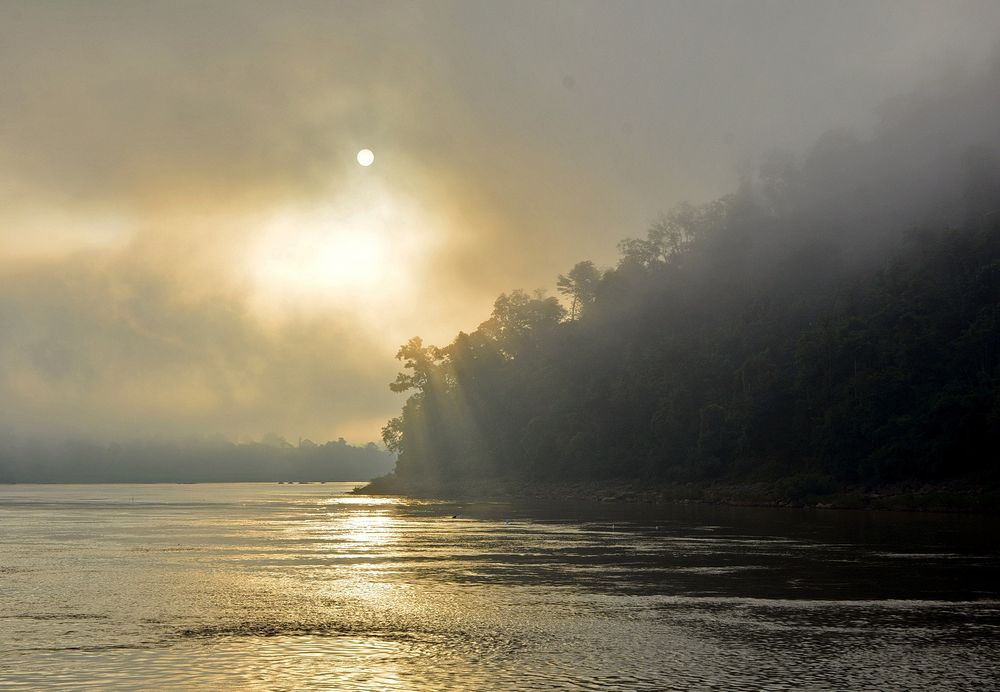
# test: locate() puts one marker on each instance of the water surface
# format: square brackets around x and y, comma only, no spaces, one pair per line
[304,586]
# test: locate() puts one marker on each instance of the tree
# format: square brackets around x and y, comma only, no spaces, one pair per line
[671,235]
[580,285]
[392,434]
[519,320]
[422,361]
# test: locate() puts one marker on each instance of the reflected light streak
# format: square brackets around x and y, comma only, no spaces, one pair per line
[369,528]
[364,500]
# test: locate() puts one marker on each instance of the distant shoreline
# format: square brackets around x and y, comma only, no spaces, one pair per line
[215,482]
[788,493]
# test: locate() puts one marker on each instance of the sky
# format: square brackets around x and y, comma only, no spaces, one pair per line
[188,245]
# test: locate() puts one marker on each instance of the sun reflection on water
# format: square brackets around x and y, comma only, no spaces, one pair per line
[363,500]
[278,588]
[368,528]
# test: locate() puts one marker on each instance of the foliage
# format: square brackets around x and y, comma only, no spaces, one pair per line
[733,341]
[580,286]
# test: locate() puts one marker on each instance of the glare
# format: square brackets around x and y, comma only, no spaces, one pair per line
[365,500]
[362,249]
[369,528]
[366,157]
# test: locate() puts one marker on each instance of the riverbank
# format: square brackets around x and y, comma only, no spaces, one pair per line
[800,492]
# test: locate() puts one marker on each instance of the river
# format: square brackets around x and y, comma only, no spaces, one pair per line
[266,586]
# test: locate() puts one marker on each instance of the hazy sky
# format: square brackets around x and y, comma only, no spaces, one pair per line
[187,244]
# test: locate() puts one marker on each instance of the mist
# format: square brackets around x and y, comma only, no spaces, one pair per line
[187,460]
[828,324]
[499,344]
[148,155]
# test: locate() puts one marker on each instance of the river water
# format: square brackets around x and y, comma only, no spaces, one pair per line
[258,586]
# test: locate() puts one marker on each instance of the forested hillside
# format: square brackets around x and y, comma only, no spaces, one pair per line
[836,318]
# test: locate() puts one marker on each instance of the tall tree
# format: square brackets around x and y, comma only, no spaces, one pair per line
[580,285]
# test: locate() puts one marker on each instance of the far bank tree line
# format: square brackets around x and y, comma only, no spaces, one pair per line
[195,460]
[768,334]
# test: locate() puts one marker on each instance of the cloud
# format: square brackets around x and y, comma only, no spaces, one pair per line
[144,148]
[110,346]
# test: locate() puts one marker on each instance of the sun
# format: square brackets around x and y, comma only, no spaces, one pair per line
[366,157]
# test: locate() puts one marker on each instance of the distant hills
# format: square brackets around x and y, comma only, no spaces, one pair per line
[198,460]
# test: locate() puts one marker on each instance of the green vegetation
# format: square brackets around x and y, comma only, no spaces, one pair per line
[749,340]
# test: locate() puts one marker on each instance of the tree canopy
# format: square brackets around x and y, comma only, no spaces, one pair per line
[741,339]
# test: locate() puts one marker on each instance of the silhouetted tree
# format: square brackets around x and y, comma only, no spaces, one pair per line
[580,285]
[791,330]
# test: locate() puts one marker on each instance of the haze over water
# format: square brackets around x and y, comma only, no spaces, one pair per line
[292,587]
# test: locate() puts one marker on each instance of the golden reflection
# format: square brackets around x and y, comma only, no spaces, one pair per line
[363,500]
[367,536]
[369,528]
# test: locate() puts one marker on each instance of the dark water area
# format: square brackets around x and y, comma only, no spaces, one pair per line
[295,587]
